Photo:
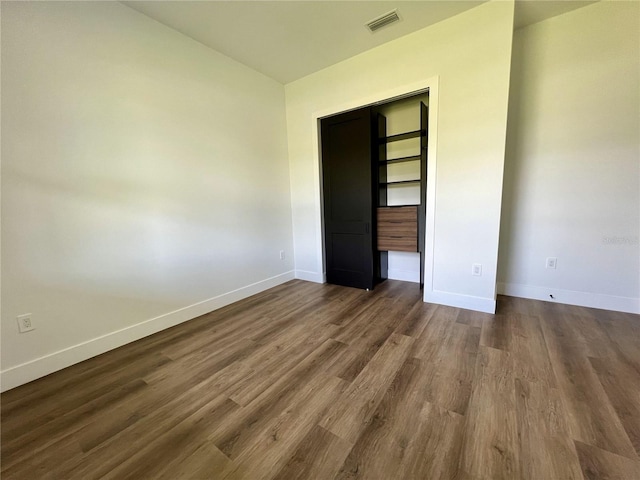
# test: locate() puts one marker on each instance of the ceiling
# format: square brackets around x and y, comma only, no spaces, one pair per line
[287,40]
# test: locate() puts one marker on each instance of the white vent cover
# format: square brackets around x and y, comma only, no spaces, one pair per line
[383,20]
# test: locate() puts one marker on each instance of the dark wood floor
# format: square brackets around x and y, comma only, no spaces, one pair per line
[309,381]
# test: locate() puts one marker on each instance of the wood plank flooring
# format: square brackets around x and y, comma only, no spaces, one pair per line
[309,381]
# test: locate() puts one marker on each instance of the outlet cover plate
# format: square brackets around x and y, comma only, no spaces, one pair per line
[25,324]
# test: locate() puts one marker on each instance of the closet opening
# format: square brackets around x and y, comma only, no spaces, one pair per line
[374,192]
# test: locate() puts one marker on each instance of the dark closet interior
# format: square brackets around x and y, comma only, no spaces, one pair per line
[374,191]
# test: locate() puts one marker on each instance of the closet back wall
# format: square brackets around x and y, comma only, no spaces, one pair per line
[142,174]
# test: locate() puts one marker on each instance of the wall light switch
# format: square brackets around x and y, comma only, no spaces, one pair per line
[476,269]
[552,262]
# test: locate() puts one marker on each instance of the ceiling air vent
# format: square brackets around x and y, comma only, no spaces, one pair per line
[383,20]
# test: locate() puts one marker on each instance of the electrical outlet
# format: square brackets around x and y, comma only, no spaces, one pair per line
[476,269]
[24,323]
[281,254]
[552,262]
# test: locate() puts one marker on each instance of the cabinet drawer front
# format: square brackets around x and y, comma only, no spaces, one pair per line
[398,229]
[404,229]
[398,244]
[398,214]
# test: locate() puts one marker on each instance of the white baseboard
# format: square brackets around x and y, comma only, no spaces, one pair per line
[311,276]
[26,372]
[468,302]
[404,275]
[570,297]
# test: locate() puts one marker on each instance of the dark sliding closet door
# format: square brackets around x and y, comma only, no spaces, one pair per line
[347,175]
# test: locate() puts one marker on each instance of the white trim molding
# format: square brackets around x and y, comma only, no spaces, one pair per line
[311,276]
[468,302]
[26,372]
[571,297]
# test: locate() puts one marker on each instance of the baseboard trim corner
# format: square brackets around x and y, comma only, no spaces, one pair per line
[311,276]
[467,302]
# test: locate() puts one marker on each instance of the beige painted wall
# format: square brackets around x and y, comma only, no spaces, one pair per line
[144,181]
[572,177]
